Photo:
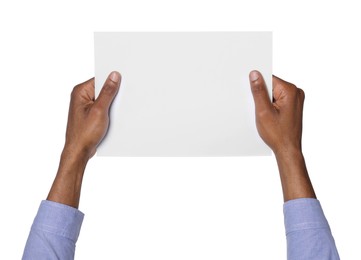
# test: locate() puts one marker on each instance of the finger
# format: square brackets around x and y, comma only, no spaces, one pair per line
[283,90]
[260,94]
[277,88]
[89,88]
[83,92]
[108,91]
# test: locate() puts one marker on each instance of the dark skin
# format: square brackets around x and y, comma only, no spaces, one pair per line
[279,123]
[88,122]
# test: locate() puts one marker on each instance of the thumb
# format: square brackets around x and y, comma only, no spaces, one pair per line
[108,91]
[260,94]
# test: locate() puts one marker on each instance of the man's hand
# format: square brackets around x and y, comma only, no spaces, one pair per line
[88,123]
[88,119]
[279,123]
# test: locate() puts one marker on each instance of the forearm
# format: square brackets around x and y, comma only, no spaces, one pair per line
[57,225]
[294,176]
[308,233]
[67,184]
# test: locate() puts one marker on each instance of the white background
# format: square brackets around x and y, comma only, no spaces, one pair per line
[178,208]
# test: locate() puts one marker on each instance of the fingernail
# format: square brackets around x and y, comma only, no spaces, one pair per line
[114,76]
[254,75]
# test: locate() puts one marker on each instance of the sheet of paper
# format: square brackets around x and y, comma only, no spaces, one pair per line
[183,93]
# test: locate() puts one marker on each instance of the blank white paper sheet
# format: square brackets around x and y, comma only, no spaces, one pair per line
[183,93]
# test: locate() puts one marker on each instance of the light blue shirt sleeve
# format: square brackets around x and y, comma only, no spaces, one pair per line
[54,232]
[56,229]
[308,233]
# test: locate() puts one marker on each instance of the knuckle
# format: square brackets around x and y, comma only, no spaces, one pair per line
[292,90]
[301,93]
[263,114]
[293,86]
[97,111]
[76,90]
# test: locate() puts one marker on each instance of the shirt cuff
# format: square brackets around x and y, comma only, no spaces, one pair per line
[58,219]
[305,213]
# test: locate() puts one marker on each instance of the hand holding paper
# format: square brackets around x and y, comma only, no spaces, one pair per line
[88,118]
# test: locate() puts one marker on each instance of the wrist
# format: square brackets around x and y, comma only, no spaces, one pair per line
[67,184]
[76,152]
[72,155]
[293,173]
[288,153]
[290,162]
